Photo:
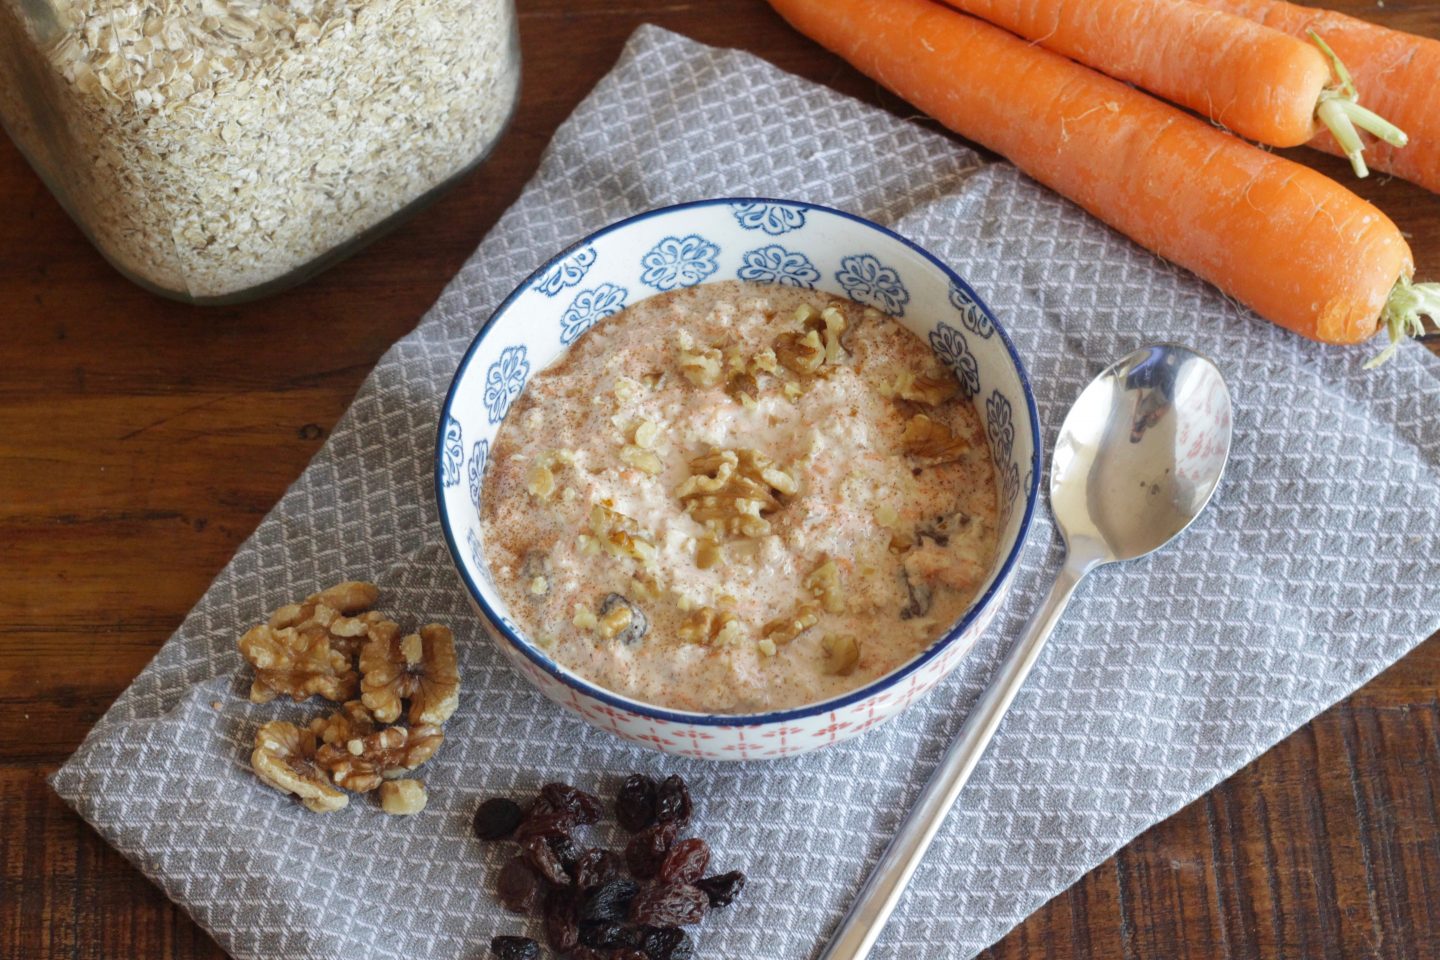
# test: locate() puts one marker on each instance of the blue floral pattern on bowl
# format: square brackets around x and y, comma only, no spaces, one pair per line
[476,470]
[679,262]
[866,280]
[950,348]
[822,249]
[773,218]
[972,315]
[503,383]
[590,307]
[775,264]
[453,453]
[567,273]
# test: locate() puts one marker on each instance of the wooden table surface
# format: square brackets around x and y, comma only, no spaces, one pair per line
[141,441]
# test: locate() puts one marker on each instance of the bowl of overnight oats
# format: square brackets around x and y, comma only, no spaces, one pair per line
[738,478]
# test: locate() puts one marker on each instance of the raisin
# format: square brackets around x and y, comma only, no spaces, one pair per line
[543,860]
[562,930]
[518,888]
[647,849]
[669,905]
[724,888]
[566,850]
[672,801]
[497,818]
[668,943]
[686,862]
[609,901]
[596,866]
[609,935]
[635,804]
[583,807]
[515,948]
[547,823]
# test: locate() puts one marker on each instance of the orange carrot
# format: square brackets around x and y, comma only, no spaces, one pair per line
[1258,82]
[1398,73]
[1298,248]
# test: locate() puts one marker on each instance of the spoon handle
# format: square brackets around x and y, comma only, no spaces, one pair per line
[862,924]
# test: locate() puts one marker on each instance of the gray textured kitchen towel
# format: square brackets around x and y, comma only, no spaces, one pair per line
[1314,569]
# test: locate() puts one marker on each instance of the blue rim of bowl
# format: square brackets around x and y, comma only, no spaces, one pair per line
[613,699]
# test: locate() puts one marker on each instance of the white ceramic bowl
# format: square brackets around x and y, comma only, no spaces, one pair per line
[769,241]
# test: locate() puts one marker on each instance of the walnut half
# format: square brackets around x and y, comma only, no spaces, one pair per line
[931,440]
[296,663]
[306,648]
[363,763]
[419,667]
[285,758]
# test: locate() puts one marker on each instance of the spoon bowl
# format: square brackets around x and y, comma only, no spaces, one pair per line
[1140,453]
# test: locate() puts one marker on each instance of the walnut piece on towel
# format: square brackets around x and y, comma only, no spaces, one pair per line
[419,667]
[308,648]
[285,758]
[363,763]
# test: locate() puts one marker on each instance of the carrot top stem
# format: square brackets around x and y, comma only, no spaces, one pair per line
[1403,315]
[1340,111]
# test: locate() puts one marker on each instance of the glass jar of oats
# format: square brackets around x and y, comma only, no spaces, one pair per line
[217,150]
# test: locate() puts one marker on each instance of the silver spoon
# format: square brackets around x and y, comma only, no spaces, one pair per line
[1138,456]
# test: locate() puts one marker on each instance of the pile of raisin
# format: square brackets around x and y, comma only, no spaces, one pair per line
[597,904]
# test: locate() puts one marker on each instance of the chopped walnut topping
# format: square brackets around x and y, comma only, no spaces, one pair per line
[829,324]
[401,798]
[707,553]
[731,491]
[702,366]
[931,391]
[931,439]
[824,583]
[710,626]
[350,721]
[842,654]
[614,622]
[621,620]
[284,758]
[800,353]
[618,534]
[742,387]
[362,763]
[419,668]
[786,629]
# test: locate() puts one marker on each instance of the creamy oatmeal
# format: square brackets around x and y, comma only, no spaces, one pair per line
[735,498]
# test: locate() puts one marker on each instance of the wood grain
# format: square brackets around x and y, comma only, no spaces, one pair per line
[141,441]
